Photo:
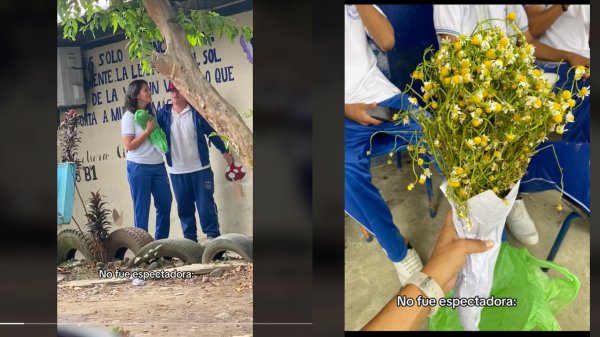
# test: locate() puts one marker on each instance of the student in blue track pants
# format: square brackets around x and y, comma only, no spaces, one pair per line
[146,171]
[366,87]
[189,164]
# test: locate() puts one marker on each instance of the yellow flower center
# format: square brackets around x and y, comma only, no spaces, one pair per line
[557,118]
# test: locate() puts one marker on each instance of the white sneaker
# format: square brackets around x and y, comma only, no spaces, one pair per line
[520,224]
[411,263]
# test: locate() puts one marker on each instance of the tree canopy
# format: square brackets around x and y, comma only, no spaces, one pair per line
[145,21]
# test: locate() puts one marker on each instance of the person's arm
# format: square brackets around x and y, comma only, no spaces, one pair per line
[540,18]
[452,38]
[378,26]
[215,139]
[448,257]
[358,113]
[547,53]
[132,142]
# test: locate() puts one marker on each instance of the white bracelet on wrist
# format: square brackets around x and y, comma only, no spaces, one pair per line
[428,286]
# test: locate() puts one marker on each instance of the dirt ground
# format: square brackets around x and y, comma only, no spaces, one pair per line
[169,307]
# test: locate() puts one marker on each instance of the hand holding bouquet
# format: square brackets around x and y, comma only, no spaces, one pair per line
[488,108]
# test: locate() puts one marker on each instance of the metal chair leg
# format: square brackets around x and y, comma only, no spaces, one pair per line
[561,235]
[428,185]
[368,236]
[399,159]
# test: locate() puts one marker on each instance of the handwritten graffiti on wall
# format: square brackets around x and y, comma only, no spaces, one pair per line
[118,73]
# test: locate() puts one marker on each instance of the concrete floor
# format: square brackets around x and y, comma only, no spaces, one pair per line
[371,280]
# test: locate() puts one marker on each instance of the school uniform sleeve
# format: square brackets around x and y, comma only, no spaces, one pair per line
[447,19]
[127,125]
[160,116]
[522,20]
[207,129]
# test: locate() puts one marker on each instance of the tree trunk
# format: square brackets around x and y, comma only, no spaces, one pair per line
[177,65]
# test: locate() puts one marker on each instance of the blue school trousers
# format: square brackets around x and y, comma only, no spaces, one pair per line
[363,202]
[194,191]
[145,180]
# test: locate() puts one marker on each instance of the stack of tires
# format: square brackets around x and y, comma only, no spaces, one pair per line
[145,248]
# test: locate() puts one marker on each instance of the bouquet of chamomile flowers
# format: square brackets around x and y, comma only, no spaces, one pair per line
[486,110]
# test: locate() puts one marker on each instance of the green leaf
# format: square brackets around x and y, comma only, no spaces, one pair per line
[192,39]
[104,23]
[115,25]
[75,26]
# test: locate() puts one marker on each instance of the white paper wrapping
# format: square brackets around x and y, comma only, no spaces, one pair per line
[488,214]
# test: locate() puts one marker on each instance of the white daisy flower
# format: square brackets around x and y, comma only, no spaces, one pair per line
[570,117]
[583,92]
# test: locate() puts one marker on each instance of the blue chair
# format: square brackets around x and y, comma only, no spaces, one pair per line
[544,173]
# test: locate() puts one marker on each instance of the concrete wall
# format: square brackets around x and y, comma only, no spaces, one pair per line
[228,68]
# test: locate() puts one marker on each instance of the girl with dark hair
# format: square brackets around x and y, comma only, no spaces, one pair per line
[146,171]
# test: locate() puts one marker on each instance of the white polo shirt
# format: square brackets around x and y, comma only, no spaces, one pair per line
[571,31]
[145,153]
[463,19]
[184,143]
[364,82]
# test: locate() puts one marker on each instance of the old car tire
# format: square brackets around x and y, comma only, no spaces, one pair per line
[186,250]
[69,241]
[237,243]
[122,239]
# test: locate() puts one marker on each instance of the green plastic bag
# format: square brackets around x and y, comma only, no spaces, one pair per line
[539,296]
[158,138]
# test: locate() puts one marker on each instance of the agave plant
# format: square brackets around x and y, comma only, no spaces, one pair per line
[98,224]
